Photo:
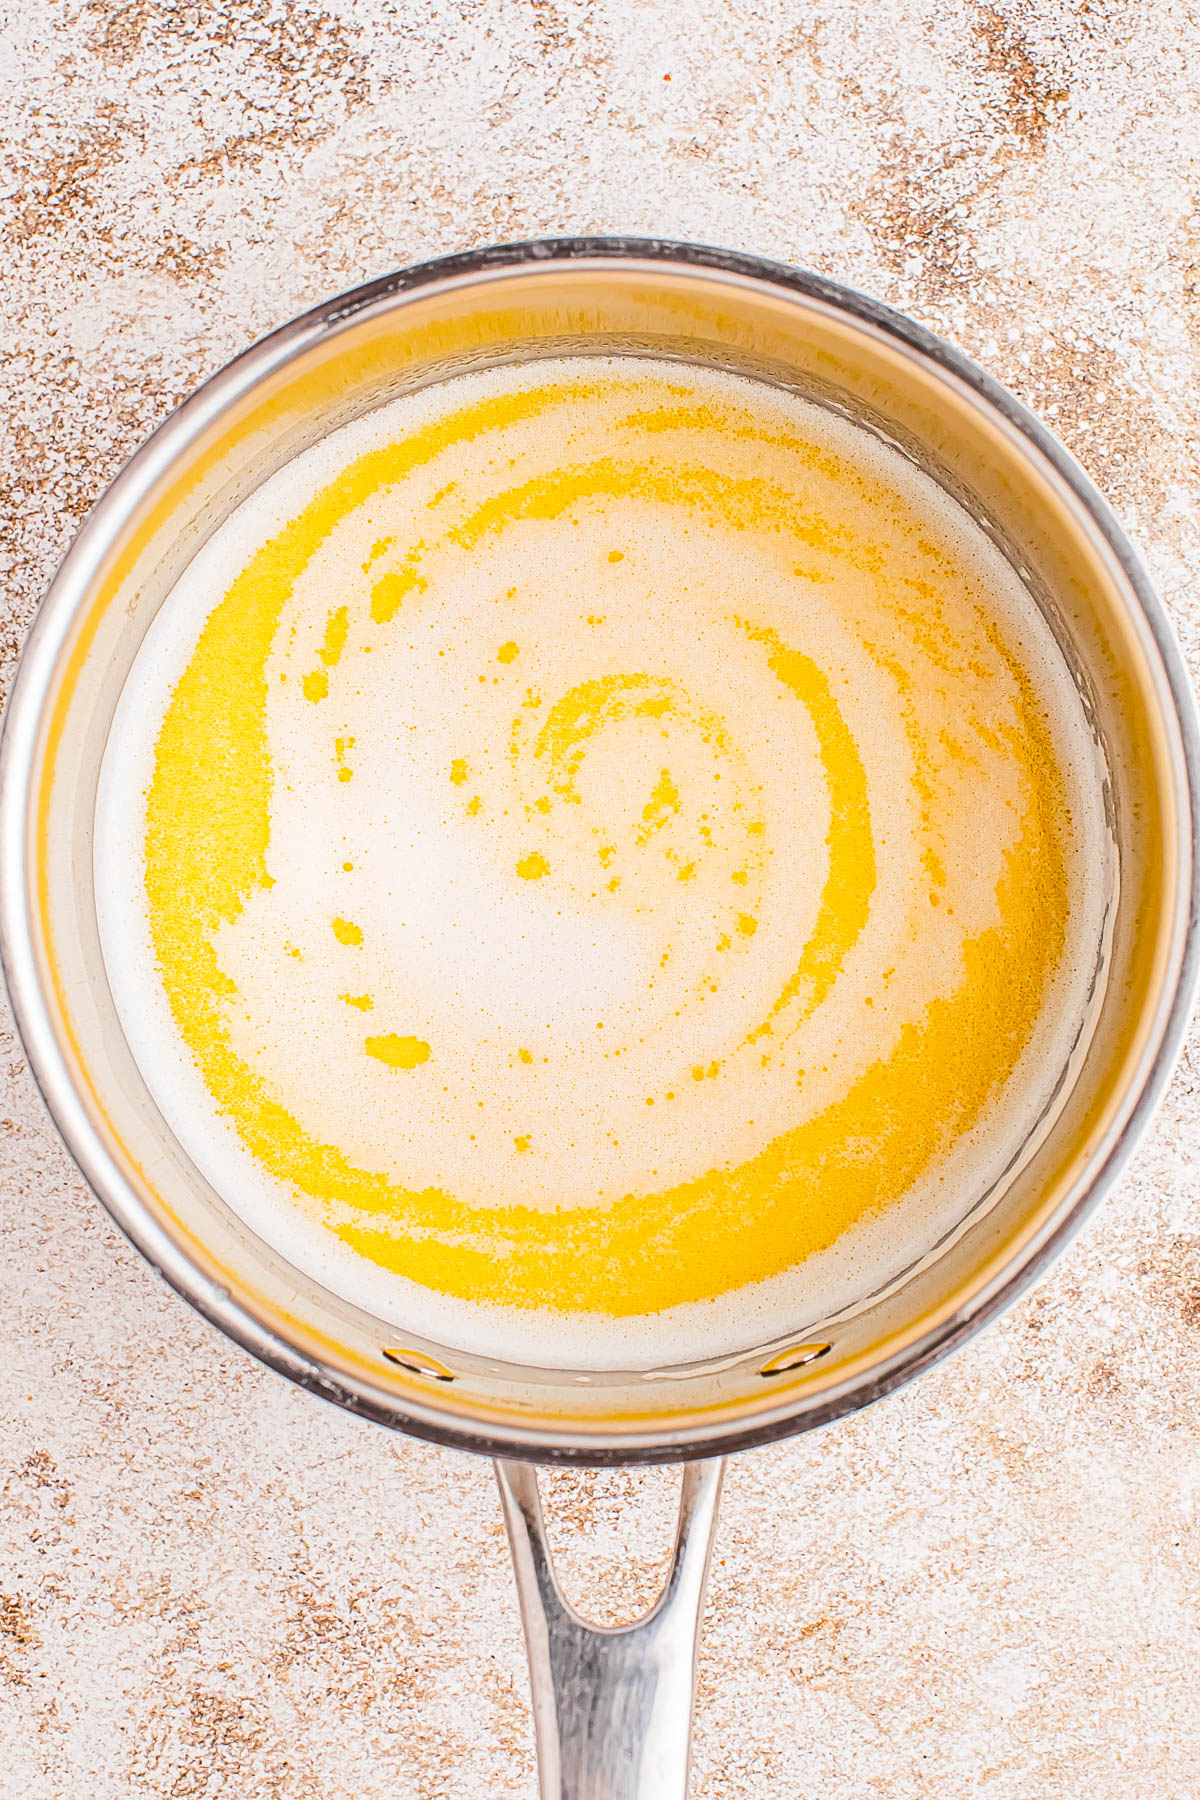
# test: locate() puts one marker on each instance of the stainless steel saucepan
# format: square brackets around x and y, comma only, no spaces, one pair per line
[612,1707]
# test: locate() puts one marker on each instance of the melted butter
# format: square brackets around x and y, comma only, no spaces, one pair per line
[829,846]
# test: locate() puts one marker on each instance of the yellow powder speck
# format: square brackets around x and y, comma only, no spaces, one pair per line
[337,627]
[522,1143]
[398,1052]
[533,866]
[363,1002]
[526,1056]
[507,652]
[377,550]
[316,685]
[345,774]
[473,806]
[346,933]
[747,924]
[616,556]
[458,770]
[687,871]
[388,593]
[347,867]
[664,800]
[740,876]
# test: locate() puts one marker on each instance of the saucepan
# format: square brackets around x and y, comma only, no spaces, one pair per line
[612,1707]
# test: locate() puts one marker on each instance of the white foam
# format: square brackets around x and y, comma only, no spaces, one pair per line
[500,964]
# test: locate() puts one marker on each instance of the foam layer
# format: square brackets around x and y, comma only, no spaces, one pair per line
[601,862]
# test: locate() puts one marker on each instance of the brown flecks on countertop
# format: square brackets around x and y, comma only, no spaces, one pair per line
[17,1636]
[1035,95]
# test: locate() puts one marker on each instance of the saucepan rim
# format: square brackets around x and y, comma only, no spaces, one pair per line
[32,1012]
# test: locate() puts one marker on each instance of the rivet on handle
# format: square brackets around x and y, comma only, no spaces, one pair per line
[794,1357]
[418,1363]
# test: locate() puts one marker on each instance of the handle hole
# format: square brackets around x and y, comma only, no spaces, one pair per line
[611,1533]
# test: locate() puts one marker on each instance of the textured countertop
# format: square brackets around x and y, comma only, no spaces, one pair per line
[213,1586]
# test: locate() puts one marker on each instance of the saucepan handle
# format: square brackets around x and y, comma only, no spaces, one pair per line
[612,1707]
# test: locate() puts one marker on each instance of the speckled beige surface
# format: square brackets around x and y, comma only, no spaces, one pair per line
[212,1585]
